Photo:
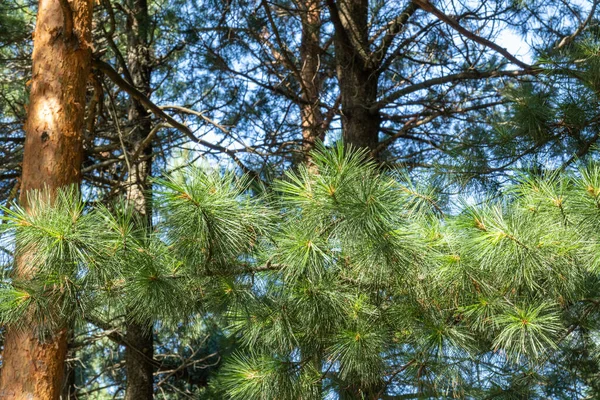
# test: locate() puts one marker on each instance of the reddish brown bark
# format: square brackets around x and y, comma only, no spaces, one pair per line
[310,52]
[52,159]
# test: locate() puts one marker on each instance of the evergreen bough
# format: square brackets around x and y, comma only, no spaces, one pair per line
[345,278]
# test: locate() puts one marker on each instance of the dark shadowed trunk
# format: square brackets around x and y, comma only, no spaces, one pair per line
[139,352]
[52,159]
[357,79]
[69,391]
[138,361]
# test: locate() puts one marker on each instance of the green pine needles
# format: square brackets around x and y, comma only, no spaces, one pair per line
[344,280]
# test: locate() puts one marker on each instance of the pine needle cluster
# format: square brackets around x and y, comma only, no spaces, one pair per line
[345,279]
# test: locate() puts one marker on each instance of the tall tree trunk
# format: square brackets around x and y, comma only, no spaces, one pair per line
[52,159]
[312,119]
[358,79]
[139,352]
[138,362]
[360,127]
[310,53]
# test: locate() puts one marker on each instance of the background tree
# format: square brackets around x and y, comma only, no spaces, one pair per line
[17,21]
[258,83]
[139,351]
[432,80]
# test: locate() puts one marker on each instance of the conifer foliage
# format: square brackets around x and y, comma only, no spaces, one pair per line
[342,279]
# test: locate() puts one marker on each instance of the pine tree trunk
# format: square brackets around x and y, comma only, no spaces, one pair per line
[358,81]
[310,53]
[52,159]
[139,352]
[312,119]
[138,362]
[68,391]
[360,127]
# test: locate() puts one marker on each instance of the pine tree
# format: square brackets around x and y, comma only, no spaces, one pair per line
[348,280]
[139,360]
[33,365]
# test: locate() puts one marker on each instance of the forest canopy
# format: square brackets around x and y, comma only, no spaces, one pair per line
[299,199]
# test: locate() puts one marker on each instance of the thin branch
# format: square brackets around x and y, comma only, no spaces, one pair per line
[393,29]
[427,6]
[569,39]
[467,75]
[113,75]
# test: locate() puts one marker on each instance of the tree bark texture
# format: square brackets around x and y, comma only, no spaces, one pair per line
[358,79]
[52,159]
[310,52]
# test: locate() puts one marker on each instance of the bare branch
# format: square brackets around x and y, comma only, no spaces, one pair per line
[427,6]
[569,39]
[113,75]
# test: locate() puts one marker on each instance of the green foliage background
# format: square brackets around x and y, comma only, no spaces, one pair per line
[344,278]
